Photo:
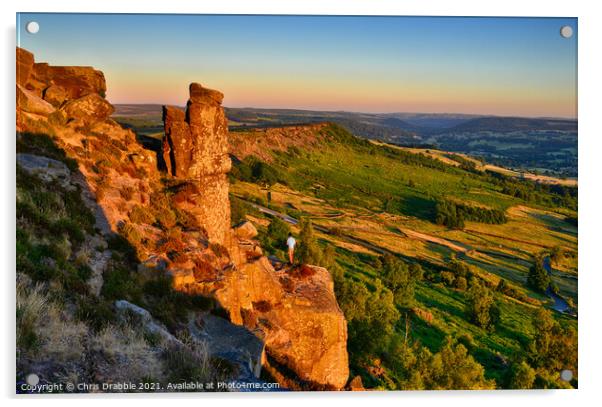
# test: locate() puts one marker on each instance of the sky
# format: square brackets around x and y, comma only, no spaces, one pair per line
[498,66]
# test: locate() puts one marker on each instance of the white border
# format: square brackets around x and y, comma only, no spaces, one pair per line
[590,148]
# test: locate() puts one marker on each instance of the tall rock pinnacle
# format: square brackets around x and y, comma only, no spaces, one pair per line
[195,148]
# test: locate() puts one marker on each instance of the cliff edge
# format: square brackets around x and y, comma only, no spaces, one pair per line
[178,221]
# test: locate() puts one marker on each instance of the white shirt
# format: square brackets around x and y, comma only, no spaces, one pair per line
[291,242]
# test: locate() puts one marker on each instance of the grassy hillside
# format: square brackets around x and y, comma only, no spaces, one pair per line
[367,200]
[69,276]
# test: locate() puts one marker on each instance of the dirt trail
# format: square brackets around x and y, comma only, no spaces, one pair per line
[369,245]
[433,239]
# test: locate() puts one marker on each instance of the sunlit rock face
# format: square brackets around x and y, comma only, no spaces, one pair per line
[196,148]
[295,315]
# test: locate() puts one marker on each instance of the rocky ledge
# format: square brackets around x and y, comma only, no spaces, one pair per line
[293,315]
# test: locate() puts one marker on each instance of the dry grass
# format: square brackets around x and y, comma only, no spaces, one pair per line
[126,355]
[191,362]
[43,329]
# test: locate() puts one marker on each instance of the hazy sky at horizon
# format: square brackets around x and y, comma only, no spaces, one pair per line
[501,66]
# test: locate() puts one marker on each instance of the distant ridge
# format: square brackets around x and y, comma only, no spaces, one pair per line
[509,124]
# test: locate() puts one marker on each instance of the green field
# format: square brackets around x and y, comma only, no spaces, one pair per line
[387,198]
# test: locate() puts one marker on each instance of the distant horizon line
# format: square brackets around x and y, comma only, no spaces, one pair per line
[360,112]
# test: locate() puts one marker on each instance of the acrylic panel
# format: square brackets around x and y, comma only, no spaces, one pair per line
[216,203]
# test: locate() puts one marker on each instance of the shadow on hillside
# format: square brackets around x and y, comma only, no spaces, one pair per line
[156,146]
[124,251]
[554,224]
[419,207]
[122,278]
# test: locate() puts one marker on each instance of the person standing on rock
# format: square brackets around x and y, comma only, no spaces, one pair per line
[291,242]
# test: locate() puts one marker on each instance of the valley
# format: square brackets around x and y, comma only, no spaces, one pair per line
[367,199]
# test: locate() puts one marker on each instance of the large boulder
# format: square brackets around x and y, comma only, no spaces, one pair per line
[89,109]
[45,168]
[245,230]
[200,94]
[77,81]
[25,63]
[128,310]
[27,101]
[55,95]
[297,316]
[233,343]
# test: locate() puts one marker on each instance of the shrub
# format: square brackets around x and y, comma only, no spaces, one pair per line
[397,277]
[454,368]
[309,252]
[189,363]
[262,306]
[119,283]
[141,215]
[522,376]
[467,340]
[538,278]
[127,192]
[238,211]
[416,271]
[372,329]
[461,283]
[188,221]
[448,278]
[219,250]
[166,218]
[553,347]
[96,312]
[481,306]
[277,233]
[172,242]
[69,227]
[265,174]
[130,233]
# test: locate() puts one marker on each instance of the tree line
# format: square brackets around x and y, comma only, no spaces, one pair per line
[453,215]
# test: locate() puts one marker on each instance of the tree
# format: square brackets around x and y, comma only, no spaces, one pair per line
[522,376]
[454,368]
[278,231]
[461,283]
[309,251]
[416,271]
[371,332]
[556,254]
[553,347]
[538,278]
[481,306]
[328,258]
[397,277]
[264,173]
[238,211]
[501,286]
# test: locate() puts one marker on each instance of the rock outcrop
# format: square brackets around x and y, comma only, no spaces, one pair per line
[25,63]
[195,147]
[46,169]
[298,318]
[90,108]
[294,315]
[72,82]
[27,101]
